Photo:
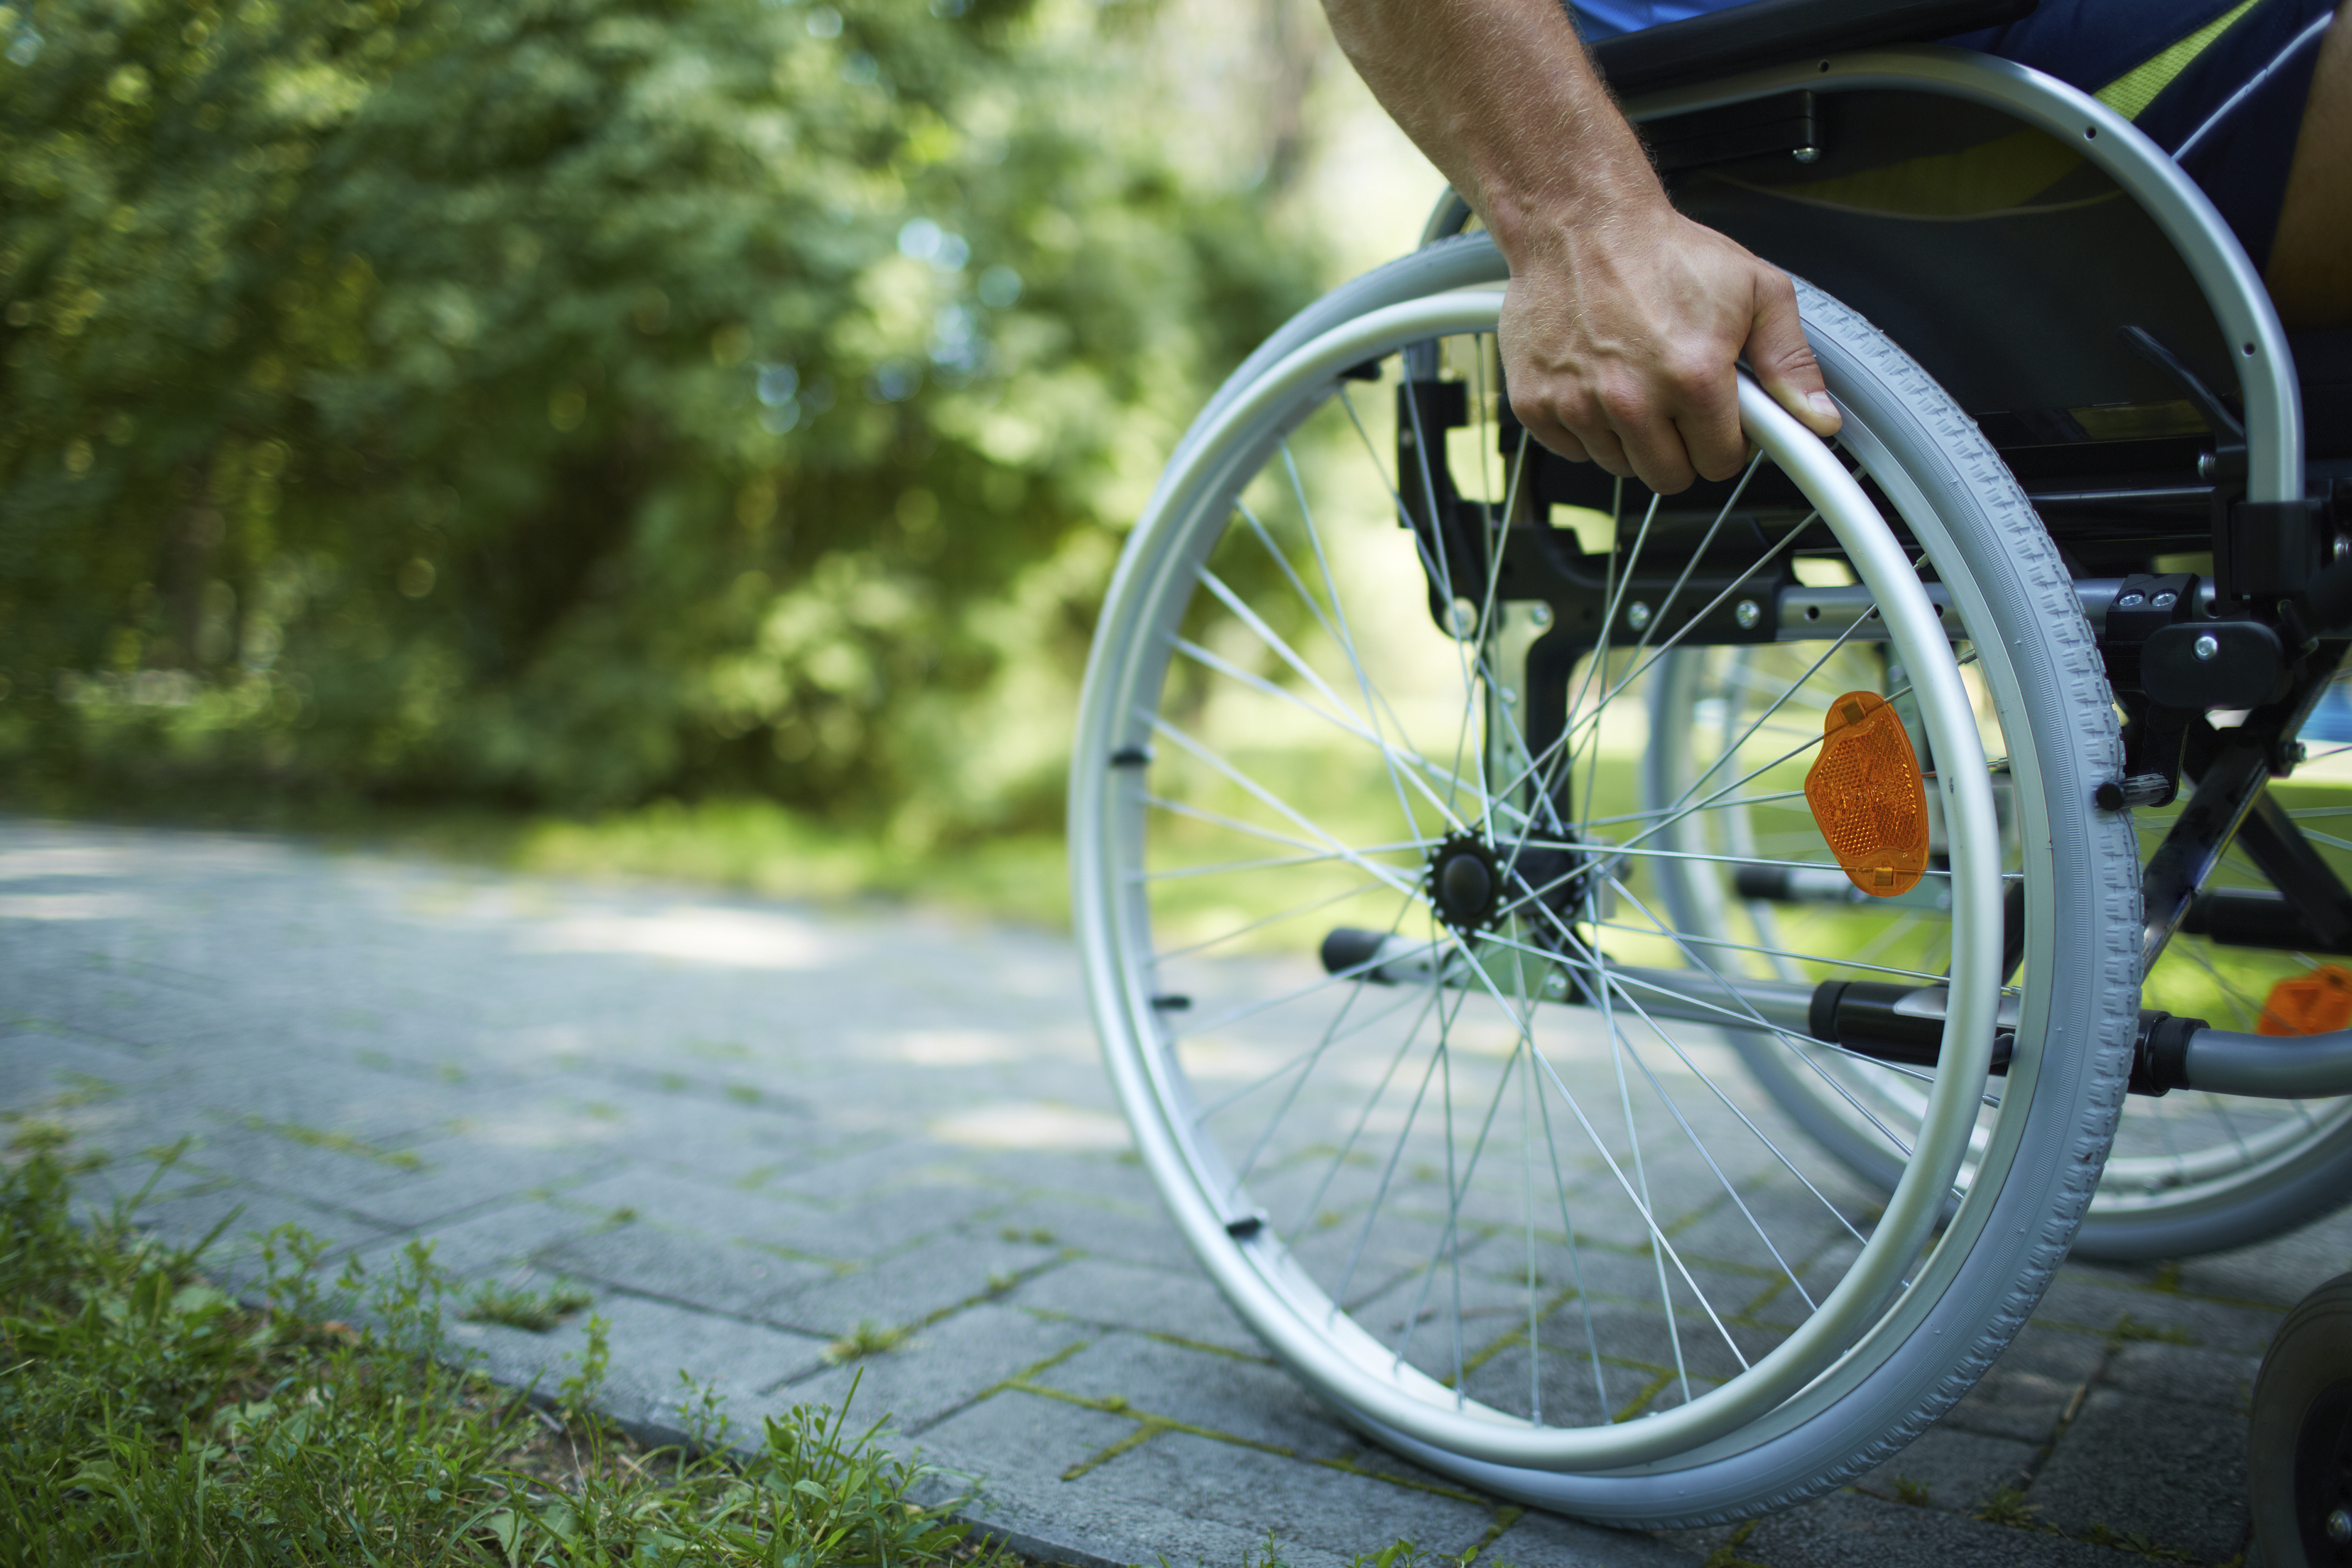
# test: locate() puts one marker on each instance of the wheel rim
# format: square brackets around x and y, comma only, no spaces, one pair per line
[1268,1263]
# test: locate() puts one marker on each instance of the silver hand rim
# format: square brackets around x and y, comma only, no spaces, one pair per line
[1257,1276]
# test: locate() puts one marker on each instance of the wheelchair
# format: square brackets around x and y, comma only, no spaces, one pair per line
[1452,828]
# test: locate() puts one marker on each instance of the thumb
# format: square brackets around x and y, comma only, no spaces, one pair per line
[1783,361]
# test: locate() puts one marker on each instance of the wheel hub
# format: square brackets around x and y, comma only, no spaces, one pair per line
[1464,882]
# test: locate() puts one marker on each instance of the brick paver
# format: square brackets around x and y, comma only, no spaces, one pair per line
[751,1129]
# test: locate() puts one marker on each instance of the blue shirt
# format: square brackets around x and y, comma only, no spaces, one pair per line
[1598,19]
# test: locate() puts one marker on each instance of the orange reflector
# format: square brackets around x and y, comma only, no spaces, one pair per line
[2318,1003]
[1868,797]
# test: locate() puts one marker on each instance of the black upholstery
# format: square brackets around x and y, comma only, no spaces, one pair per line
[1769,32]
[2323,363]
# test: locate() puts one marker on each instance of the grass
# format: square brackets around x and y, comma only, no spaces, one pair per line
[869,1337]
[1728,1554]
[2137,1544]
[339,1143]
[147,1415]
[2008,1508]
[533,1310]
[740,845]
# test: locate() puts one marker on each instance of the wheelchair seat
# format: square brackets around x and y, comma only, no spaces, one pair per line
[1773,32]
[2323,369]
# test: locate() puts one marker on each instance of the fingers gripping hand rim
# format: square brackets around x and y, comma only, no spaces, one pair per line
[1781,358]
[1640,378]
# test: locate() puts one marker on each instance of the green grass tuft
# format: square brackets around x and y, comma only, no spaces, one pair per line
[2130,1332]
[536,1310]
[147,1416]
[2137,1544]
[2009,1506]
[869,1337]
[338,1142]
[1728,1554]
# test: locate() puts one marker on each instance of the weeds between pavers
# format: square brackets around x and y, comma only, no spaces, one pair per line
[146,1416]
[533,1310]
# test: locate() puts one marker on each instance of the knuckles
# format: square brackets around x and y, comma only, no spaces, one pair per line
[1716,468]
[1655,399]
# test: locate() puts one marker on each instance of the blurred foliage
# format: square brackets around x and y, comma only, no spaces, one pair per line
[569,404]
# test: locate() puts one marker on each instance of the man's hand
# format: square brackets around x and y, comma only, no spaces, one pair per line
[1619,337]
[1624,318]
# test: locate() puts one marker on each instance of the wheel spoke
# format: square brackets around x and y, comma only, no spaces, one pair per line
[1747,1017]
[1730,1190]
[1305,1059]
[1432,562]
[1270,863]
[1658,1238]
[1293,912]
[1388,1172]
[1617,1051]
[1337,628]
[1258,683]
[1380,1089]
[1218,819]
[1331,1033]
[1568,1229]
[1268,798]
[1928,976]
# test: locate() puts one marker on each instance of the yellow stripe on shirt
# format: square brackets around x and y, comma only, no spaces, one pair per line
[2137,88]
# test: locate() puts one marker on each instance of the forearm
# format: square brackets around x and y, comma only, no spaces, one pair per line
[1623,319]
[1500,95]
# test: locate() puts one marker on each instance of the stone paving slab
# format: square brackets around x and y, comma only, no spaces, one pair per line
[751,1129]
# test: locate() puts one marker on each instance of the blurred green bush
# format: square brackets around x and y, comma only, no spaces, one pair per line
[567,404]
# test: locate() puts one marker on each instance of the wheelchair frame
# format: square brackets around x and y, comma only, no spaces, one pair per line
[2270,493]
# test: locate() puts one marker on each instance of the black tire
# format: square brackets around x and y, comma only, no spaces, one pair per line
[2299,1446]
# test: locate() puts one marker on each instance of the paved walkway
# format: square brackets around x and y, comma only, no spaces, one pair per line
[750,1128]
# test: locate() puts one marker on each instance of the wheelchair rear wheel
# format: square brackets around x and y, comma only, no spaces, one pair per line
[1425,1060]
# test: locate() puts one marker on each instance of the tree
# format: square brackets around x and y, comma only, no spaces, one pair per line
[571,402]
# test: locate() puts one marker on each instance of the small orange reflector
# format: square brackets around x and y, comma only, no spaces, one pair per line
[1868,796]
[2318,1003]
